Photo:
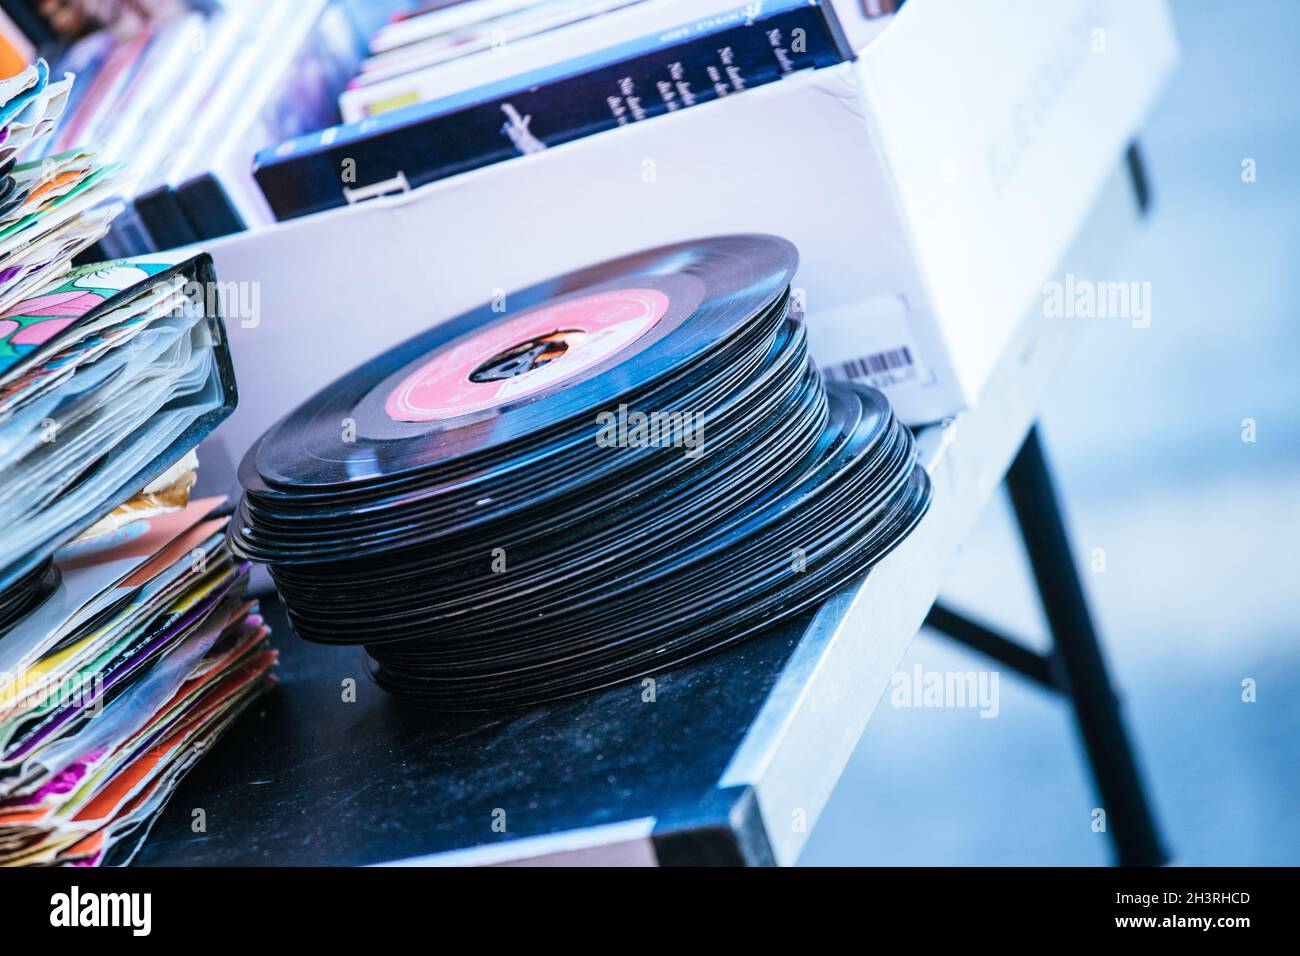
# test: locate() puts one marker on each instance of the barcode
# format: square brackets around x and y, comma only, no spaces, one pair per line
[877,364]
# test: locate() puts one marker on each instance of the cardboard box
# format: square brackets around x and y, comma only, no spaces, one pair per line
[931,187]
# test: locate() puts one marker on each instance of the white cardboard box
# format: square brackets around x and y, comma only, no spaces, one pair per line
[931,187]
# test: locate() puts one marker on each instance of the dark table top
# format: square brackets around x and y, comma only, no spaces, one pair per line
[304,777]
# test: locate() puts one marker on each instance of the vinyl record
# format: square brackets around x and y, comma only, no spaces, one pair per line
[519,367]
[629,466]
[27,593]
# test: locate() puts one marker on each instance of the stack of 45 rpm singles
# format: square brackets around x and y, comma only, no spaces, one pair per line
[630,466]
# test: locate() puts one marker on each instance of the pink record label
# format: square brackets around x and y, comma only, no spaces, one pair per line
[546,346]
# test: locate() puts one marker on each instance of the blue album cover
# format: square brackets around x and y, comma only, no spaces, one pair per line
[705,60]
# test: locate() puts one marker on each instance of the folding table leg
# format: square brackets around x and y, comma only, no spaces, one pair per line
[1129,819]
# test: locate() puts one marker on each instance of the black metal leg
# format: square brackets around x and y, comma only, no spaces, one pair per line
[1128,814]
[989,642]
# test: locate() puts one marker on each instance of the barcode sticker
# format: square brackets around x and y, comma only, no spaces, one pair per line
[879,370]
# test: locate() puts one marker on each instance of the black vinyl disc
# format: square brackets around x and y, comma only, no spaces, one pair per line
[28,593]
[601,476]
[485,379]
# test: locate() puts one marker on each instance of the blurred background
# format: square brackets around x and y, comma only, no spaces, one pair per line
[1199,528]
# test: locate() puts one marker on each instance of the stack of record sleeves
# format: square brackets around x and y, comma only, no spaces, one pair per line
[106,379]
[126,644]
[589,481]
[51,209]
[405,51]
[119,681]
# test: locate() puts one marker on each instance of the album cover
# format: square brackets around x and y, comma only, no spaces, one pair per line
[674,69]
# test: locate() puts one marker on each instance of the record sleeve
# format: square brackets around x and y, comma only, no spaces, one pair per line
[129,464]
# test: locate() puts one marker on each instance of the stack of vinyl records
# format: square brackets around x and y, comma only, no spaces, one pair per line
[126,644]
[581,483]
